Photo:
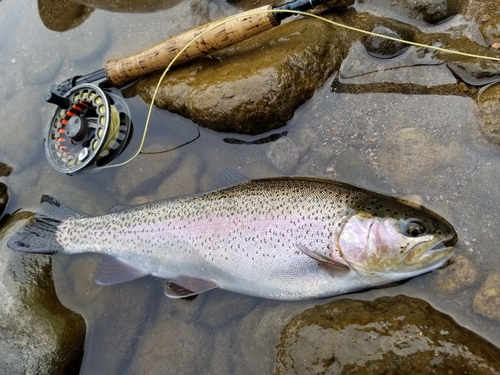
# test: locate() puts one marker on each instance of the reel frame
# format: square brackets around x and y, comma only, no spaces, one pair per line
[89,128]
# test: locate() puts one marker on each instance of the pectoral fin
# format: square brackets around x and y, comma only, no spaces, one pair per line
[111,270]
[322,259]
[186,286]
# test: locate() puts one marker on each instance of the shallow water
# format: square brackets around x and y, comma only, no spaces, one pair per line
[454,170]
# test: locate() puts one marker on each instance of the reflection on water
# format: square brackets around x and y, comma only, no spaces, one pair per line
[425,145]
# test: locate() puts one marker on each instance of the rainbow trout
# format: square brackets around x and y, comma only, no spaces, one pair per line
[284,238]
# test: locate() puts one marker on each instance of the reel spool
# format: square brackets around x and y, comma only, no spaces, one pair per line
[89,128]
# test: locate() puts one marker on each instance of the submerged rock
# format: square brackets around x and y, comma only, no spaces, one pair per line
[38,335]
[489,112]
[62,15]
[412,153]
[5,170]
[4,197]
[254,86]
[284,154]
[487,299]
[385,48]
[490,29]
[429,11]
[460,274]
[398,335]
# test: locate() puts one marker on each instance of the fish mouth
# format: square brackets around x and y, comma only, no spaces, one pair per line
[430,252]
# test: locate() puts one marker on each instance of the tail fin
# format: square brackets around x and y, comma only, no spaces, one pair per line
[40,235]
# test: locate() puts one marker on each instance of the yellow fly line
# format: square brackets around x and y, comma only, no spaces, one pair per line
[444,50]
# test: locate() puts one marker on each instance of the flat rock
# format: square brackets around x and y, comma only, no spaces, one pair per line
[398,335]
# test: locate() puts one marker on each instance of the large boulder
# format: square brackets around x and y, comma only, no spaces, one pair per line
[398,335]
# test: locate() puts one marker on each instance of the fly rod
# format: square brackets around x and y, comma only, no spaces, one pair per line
[120,72]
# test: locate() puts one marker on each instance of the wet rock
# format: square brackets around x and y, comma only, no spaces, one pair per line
[489,112]
[429,11]
[487,299]
[38,335]
[458,275]
[284,154]
[254,86]
[5,170]
[490,29]
[432,11]
[399,335]
[412,153]
[411,67]
[4,197]
[62,15]
[385,48]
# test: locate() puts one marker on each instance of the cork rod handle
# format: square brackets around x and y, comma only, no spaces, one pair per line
[157,57]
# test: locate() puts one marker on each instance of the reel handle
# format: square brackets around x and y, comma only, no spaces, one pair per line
[122,71]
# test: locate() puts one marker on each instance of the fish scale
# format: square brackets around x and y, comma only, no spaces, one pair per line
[273,238]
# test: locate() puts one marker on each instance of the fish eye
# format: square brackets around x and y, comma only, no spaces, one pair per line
[414,228]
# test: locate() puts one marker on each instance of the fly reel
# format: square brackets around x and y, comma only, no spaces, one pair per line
[89,128]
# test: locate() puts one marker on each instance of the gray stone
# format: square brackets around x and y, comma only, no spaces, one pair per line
[284,155]
[460,274]
[410,67]
[490,29]
[37,334]
[487,299]
[384,48]
[489,112]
